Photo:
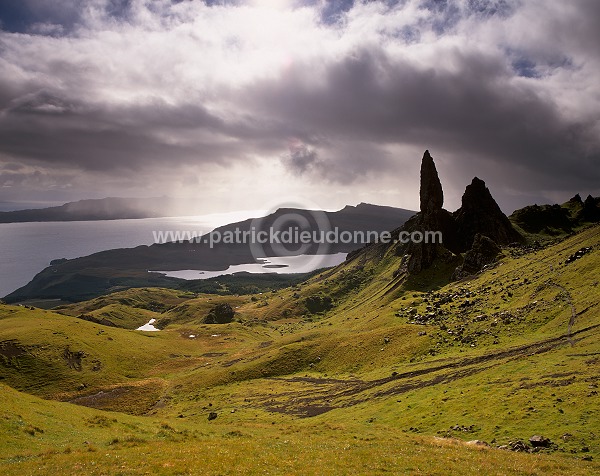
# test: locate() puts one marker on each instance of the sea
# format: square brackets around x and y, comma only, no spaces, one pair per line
[27,248]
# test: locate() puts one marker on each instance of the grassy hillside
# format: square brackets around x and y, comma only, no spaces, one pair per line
[56,438]
[358,369]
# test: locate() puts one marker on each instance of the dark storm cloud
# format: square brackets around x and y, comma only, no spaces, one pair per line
[475,111]
[55,130]
[60,131]
[41,103]
[379,78]
[301,158]
[85,142]
[11,167]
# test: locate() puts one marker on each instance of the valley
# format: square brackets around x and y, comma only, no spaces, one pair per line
[397,374]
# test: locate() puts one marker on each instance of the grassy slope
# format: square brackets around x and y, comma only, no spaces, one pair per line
[58,438]
[503,366]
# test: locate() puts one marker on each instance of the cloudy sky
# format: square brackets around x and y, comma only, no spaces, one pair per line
[245,104]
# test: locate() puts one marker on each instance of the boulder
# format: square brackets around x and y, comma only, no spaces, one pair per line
[538,441]
[518,445]
[579,254]
[220,314]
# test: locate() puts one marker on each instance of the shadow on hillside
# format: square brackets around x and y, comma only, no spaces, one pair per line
[433,278]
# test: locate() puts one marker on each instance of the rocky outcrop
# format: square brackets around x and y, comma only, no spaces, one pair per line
[483,252]
[220,314]
[479,213]
[550,219]
[432,217]
[591,209]
[579,254]
[422,255]
[557,219]
[430,192]
[74,359]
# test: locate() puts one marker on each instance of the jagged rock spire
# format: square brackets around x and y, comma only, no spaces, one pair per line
[431,194]
[591,209]
[477,195]
[480,213]
[432,218]
[576,199]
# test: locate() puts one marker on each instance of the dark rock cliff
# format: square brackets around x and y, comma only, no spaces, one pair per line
[479,216]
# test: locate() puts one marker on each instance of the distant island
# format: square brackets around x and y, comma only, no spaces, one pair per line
[112,208]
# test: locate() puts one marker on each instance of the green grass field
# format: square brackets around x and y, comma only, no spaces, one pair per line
[357,370]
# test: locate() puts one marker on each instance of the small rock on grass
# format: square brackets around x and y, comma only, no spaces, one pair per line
[538,441]
[477,443]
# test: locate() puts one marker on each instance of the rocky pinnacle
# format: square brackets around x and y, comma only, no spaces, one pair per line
[431,194]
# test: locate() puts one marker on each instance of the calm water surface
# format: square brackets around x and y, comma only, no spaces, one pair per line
[27,248]
[279,265]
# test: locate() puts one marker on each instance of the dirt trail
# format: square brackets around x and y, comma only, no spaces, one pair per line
[314,396]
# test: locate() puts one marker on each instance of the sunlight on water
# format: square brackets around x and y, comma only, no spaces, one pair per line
[278,265]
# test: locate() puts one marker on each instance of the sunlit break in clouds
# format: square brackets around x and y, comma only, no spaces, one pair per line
[239,102]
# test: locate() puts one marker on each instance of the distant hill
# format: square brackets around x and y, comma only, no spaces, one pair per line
[99,273]
[111,208]
[554,220]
